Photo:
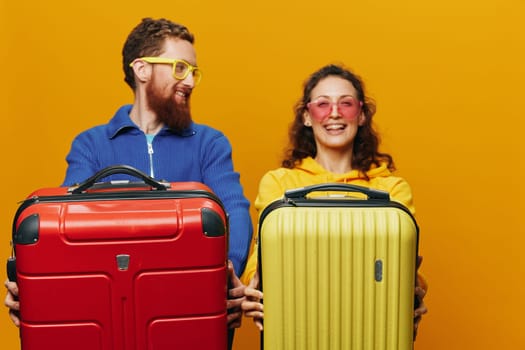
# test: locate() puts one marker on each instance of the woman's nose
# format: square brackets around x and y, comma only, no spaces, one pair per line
[334,110]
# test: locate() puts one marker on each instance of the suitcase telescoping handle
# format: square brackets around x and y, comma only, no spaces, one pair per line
[119,169]
[302,192]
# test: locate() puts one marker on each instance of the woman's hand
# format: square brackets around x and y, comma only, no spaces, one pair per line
[252,305]
[420,291]
[421,310]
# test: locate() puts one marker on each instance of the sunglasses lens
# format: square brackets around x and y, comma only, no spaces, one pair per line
[320,106]
[197,75]
[180,69]
[347,107]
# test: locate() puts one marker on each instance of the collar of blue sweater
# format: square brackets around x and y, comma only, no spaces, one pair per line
[122,122]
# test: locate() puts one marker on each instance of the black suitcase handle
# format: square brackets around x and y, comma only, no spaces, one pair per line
[302,192]
[11,275]
[119,169]
[11,269]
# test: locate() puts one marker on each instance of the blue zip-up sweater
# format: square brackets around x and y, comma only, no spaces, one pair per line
[200,153]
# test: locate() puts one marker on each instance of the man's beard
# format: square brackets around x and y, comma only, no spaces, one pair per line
[175,116]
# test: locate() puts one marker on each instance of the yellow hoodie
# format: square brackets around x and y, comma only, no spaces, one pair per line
[275,182]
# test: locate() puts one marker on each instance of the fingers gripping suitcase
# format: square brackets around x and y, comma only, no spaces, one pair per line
[122,265]
[337,272]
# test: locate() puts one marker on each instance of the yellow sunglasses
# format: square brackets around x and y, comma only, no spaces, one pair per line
[181,68]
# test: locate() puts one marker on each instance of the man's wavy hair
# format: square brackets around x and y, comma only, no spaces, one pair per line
[147,39]
[366,142]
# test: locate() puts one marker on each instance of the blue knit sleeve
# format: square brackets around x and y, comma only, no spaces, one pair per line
[81,160]
[218,173]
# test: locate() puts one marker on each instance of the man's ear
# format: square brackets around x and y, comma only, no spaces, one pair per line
[142,70]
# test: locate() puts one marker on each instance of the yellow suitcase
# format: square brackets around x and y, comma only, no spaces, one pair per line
[337,271]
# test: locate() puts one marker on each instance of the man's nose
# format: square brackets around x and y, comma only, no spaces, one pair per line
[189,81]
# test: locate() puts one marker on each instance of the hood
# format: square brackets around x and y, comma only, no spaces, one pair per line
[310,166]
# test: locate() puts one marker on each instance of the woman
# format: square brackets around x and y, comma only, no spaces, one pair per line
[332,140]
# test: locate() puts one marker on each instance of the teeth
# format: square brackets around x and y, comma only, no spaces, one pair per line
[180,93]
[334,127]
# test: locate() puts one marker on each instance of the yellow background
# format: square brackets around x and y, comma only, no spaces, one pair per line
[447,76]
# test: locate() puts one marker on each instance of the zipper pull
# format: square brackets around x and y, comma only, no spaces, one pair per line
[150,152]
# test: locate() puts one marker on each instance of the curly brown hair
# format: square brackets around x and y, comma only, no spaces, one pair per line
[147,39]
[366,142]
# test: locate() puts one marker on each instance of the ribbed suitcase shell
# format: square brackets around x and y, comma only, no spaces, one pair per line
[170,292]
[337,274]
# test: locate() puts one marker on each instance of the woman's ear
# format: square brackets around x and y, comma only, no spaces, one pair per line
[307,120]
[362,119]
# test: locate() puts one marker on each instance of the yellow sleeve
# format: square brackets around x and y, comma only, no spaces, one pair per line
[270,189]
[251,266]
[422,281]
[401,192]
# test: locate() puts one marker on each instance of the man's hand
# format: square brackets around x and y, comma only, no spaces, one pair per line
[235,298]
[11,302]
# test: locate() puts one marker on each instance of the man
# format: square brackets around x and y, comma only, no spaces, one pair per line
[157,135]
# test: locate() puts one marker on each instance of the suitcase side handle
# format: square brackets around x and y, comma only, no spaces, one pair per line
[11,269]
[119,169]
[371,193]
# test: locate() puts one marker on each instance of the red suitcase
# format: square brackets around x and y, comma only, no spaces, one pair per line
[122,265]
